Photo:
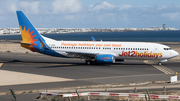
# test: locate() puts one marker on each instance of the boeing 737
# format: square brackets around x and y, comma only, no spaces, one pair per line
[91,51]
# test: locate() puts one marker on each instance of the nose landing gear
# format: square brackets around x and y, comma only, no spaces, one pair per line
[165,60]
[159,63]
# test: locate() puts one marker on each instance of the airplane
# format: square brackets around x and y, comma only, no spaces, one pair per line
[92,52]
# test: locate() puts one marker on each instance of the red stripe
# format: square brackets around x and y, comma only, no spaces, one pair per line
[133,95]
[48,94]
[94,93]
[113,94]
[61,95]
[154,96]
[76,94]
[173,97]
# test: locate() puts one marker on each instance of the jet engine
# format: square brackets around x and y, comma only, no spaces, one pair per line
[106,58]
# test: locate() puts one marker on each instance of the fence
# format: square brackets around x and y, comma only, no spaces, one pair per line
[110,94]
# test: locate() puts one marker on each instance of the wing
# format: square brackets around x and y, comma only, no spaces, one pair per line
[83,55]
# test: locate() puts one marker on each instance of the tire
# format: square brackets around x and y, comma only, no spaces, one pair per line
[88,62]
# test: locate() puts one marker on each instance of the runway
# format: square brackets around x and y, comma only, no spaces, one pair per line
[35,71]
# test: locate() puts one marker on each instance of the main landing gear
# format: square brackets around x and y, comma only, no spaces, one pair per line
[90,62]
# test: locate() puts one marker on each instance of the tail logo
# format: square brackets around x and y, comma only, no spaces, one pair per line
[28,37]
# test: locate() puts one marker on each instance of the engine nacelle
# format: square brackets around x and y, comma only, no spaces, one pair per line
[106,58]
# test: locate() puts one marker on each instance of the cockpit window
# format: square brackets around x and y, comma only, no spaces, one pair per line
[167,48]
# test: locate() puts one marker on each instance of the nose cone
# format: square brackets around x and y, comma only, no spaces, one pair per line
[175,54]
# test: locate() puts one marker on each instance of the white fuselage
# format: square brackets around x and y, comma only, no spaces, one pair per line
[121,50]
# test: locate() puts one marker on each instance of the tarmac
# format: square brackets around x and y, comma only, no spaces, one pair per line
[33,71]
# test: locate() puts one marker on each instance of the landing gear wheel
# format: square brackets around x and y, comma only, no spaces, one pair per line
[88,62]
[159,63]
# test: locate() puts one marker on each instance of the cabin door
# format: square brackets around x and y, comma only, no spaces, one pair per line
[156,49]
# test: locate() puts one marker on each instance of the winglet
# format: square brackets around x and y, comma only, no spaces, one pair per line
[93,39]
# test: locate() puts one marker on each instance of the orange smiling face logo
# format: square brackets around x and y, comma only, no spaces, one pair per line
[27,37]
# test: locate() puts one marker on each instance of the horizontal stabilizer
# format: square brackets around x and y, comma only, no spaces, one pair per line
[26,43]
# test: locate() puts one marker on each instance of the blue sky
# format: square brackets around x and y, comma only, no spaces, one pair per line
[92,13]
